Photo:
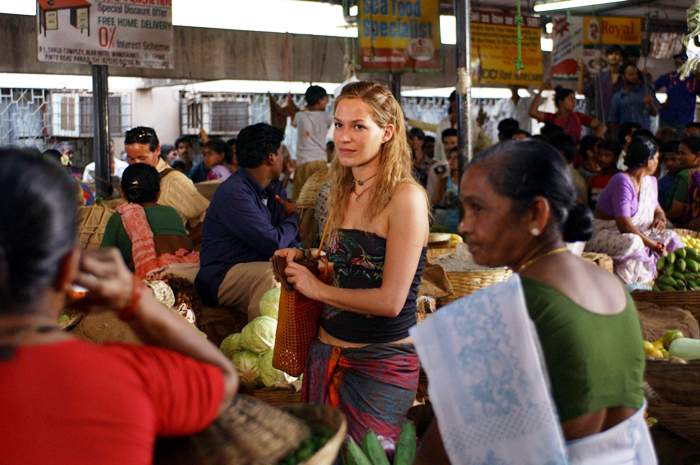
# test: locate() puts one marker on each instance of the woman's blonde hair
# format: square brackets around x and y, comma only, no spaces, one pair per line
[395,166]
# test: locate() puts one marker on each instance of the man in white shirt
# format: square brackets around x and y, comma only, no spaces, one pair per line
[312,125]
[481,140]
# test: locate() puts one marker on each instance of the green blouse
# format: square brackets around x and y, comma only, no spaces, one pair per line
[594,361]
[163,220]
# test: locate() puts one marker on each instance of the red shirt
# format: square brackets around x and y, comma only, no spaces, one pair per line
[571,123]
[77,403]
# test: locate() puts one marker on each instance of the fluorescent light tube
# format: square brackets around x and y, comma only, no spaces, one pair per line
[565,4]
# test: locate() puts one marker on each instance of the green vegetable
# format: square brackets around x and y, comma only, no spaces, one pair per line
[406,445]
[231,344]
[681,265]
[270,303]
[670,259]
[671,336]
[259,335]
[354,454]
[248,367]
[685,348]
[692,265]
[660,264]
[373,449]
[680,253]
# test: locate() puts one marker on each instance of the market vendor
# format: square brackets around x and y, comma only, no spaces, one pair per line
[249,218]
[66,401]
[148,235]
[519,211]
[630,225]
[364,361]
[684,208]
[176,190]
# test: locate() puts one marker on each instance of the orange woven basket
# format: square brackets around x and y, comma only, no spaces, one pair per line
[297,327]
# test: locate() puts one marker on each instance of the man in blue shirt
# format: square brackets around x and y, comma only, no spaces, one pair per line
[635,103]
[248,219]
[679,107]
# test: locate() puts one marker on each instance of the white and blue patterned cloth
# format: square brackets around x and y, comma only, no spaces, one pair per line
[488,383]
[490,390]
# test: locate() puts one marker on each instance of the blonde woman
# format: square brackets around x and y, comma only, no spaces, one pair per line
[363,361]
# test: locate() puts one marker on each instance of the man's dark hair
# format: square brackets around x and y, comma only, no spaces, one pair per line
[613,49]
[587,143]
[640,151]
[232,142]
[549,130]
[694,125]
[416,132]
[670,146]
[165,149]
[449,132]
[521,132]
[141,183]
[34,235]
[142,135]
[256,142]
[222,148]
[507,128]
[565,145]
[610,145]
[179,165]
[314,94]
[627,129]
[183,140]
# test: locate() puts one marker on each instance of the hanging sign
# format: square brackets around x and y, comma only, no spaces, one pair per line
[587,37]
[129,33]
[494,40]
[399,35]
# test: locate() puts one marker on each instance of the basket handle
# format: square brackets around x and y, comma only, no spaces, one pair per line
[324,235]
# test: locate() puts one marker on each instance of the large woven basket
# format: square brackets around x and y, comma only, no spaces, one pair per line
[467,282]
[436,252]
[689,300]
[249,432]
[92,222]
[675,382]
[309,193]
[276,397]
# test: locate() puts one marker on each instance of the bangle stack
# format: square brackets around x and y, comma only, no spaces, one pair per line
[129,311]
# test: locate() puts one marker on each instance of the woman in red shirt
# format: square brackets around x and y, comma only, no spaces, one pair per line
[570,121]
[66,401]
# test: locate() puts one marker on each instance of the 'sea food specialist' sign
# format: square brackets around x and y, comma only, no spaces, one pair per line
[129,33]
[399,35]
[494,49]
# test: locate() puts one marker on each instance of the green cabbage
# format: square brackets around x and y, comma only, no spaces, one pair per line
[247,366]
[271,376]
[270,302]
[259,335]
[231,344]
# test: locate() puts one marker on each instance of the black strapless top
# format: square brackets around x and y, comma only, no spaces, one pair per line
[358,261]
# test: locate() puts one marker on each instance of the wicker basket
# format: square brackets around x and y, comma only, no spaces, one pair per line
[436,252]
[600,260]
[468,282]
[309,192]
[689,300]
[92,222]
[675,382]
[249,432]
[276,397]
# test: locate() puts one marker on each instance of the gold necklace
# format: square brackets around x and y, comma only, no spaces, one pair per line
[536,259]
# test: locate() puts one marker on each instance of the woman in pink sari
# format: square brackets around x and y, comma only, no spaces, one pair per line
[629,224]
[149,236]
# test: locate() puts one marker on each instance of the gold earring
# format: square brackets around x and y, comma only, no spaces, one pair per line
[535,232]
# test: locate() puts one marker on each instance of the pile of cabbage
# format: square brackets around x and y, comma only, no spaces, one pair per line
[251,349]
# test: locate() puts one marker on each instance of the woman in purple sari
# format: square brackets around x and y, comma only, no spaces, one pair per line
[629,224]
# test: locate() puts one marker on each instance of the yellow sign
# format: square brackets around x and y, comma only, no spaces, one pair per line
[396,35]
[611,30]
[494,48]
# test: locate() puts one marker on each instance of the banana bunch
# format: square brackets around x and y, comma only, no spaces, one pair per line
[658,349]
[678,271]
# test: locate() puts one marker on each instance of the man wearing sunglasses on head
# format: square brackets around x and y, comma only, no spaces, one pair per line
[176,189]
